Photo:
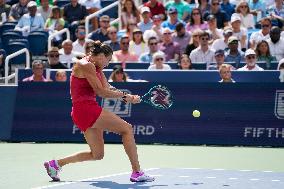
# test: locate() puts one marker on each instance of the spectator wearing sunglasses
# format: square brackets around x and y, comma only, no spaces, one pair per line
[153,48]
[158,62]
[113,42]
[79,44]
[250,58]
[262,34]
[53,59]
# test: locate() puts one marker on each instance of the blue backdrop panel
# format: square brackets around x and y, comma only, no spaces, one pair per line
[7,101]
[231,114]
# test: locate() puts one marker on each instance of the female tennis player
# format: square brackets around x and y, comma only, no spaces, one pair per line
[87,80]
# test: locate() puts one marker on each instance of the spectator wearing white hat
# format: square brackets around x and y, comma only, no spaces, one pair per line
[250,58]
[247,19]
[146,23]
[30,21]
[239,31]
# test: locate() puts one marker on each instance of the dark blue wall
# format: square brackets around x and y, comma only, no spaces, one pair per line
[231,114]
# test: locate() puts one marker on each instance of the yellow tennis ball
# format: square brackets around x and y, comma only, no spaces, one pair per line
[196,113]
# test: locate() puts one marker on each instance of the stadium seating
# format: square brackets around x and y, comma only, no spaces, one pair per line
[7,36]
[61,3]
[6,26]
[38,43]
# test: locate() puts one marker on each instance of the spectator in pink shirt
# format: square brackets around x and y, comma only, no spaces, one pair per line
[37,68]
[124,55]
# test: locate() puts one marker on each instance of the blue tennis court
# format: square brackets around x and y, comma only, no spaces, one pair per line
[184,178]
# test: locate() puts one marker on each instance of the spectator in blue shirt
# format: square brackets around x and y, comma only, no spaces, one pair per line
[233,54]
[172,20]
[101,34]
[228,7]
[146,23]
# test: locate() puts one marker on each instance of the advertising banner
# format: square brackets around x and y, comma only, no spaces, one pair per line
[231,114]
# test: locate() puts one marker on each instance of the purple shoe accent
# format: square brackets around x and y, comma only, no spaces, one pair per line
[47,167]
[52,163]
[141,177]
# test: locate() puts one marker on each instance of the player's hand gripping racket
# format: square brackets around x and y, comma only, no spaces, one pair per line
[159,97]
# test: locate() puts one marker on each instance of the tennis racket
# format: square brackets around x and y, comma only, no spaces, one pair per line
[159,97]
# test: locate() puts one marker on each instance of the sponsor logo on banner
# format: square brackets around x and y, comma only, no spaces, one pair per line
[117,106]
[279,104]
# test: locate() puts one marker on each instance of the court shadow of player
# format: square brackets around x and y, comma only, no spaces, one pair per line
[111,184]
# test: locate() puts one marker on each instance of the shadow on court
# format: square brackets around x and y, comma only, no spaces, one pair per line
[186,178]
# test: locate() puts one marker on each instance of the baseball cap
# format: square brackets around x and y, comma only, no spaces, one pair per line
[31,4]
[228,31]
[219,52]
[104,18]
[145,9]
[137,30]
[250,52]
[53,49]
[210,17]
[235,17]
[172,10]
[232,39]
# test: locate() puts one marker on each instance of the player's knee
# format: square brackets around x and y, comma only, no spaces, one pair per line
[128,129]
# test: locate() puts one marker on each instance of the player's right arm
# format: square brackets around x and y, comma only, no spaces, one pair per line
[89,72]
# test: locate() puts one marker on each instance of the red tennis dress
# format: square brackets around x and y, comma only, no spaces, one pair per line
[85,109]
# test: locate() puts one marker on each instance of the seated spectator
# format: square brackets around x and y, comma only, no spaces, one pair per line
[156,8]
[146,23]
[137,45]
[226,74]
[4,11]
[101,33]
[123,55]
[250,58]
[157,26]
[37,68]
[247,20]
[182,7]
[153,48]
[61,76]
[74,14]
[44,9]
[281,65]
[228,7]
[213,31]
[220,59]
[262,34]
[196,21]
[18,10]
[239,31]
[118,75]
[172,20]
[79,44]
[181,36]
[66,53]
[129,11]
[263,53]
[92,6]
[30,21]
[170,48]
[257,9]
[194,42]
[222,43]
[276,43]
[203,54]
[221,16]
[53,59]
[112,35]
[276,12]
[204,6]
[54,24]
[158,62]
[185,63]
[233,54]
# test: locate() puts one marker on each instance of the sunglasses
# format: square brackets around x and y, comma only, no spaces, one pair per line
[195,13]
[265,26]
[243,6]
[251,57]
[204,38]
[167,33]
[153,43]
[159,59]
[214,4]
[112,32]
[106,21]
[125,43]
[54,55]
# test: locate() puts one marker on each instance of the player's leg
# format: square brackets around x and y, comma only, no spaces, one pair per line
[95,140]
[111,122]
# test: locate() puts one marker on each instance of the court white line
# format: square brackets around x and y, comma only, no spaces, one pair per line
[245,170]
[210,177]
[183,176]
[218,169]
[106,176]
[275,180]
[254,179]
[267,171]
[233,178]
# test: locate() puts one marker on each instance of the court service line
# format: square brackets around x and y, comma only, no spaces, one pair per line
[100,177]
